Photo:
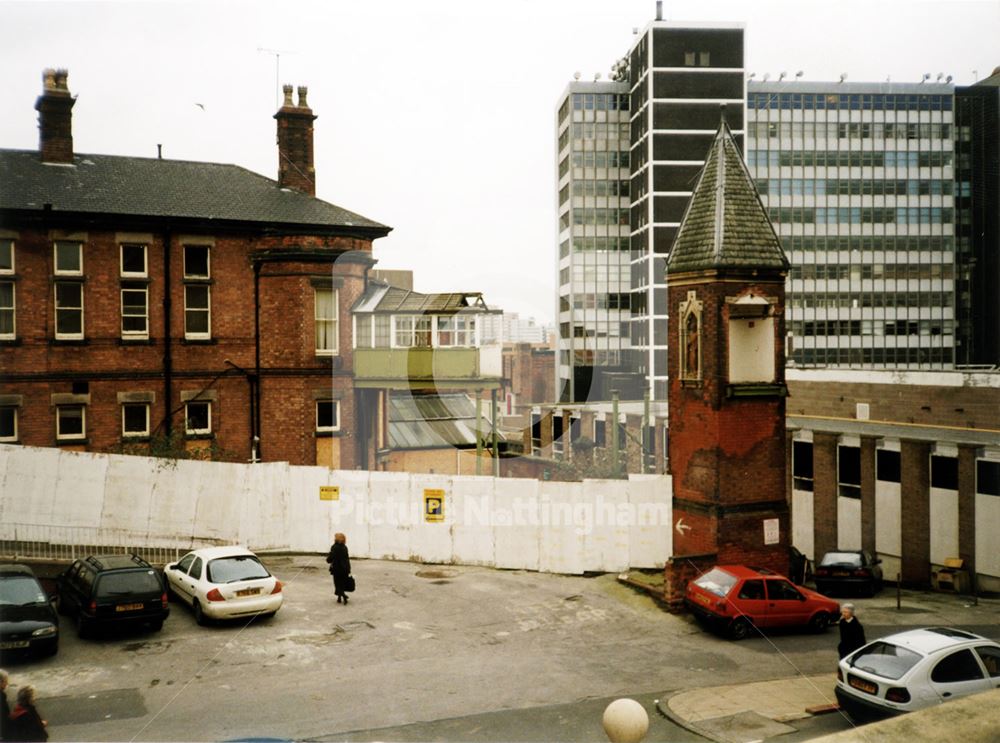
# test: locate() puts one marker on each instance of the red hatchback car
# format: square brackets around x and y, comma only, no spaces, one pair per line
[737,598]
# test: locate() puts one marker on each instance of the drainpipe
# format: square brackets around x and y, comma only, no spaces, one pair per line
[168,361]
[255,391]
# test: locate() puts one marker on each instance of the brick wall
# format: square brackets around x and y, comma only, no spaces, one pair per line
[915,512]
[824,493]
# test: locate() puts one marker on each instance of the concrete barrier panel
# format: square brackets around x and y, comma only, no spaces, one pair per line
[516,524]
[651,539]
[987,529]
[349,514]
[389,517]
[944,525]
[888,532]
[802,522]
[218,494]
[472,530]
[848,523]
[430,540]
[561,509]
[606,538]
[80,488]
[128,498]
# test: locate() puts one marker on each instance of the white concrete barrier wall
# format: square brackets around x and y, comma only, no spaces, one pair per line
[597,525]
[987,541]
[848,523]
[943,524]
[802,523]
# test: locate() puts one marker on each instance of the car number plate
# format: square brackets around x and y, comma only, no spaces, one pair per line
[865,686]
[13,644]
[128,607]
[840,573]
[248,592]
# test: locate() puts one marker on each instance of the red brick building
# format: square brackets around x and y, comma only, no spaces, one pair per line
[153,302]
[725,287]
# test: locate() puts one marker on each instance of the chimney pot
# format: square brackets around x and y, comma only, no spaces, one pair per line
[295,144]
[55,118]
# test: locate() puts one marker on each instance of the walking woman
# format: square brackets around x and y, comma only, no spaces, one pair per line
[340,566]
[25,722]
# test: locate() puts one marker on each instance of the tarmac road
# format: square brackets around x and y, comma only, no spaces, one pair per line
[420,653]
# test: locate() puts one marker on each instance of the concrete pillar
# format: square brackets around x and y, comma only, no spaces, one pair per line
[915,476]
[868,493]
[824,493]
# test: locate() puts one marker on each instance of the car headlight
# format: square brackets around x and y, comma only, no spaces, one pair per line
[44,631]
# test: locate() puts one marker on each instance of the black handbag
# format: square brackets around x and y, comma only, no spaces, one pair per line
[349,584]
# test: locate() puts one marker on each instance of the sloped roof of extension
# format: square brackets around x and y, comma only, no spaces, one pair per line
[434,421]
[725,225]
[151,187]
[381,298]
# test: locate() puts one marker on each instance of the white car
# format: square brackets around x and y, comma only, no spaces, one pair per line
[916,669]
[224,583]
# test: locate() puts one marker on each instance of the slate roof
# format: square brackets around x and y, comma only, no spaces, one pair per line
[155,188]
[435,421]
[384,298]
[725,225]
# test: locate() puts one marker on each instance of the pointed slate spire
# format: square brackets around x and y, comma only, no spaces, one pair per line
[725,225]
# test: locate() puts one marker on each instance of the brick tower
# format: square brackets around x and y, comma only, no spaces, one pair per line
[726,296]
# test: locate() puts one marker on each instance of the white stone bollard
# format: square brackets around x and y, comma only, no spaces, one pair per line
[625,721]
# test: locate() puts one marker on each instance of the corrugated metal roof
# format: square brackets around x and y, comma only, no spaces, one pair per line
[434,421]
[384,299]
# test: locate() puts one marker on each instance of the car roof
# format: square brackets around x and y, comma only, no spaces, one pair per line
[118,561]
[213,553]
[932,639]
[11,569]
[744,571]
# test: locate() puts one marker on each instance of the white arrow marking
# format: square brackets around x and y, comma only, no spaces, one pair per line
[681,526]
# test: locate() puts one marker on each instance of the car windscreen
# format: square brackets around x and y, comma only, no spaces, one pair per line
[716,581]
[20,591]
[235,568]
[885,659]
[128,582]
[841,558]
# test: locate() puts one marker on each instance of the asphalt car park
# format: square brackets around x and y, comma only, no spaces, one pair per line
[421,652]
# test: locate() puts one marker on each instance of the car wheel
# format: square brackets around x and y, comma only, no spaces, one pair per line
[199,615]
[739,629]
[819,622]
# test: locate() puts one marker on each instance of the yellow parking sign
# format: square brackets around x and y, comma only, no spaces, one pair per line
[433,505]
[329,492]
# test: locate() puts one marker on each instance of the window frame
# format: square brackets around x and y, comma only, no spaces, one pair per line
[145,260]
[8,271]
[79,309]
[188,430]
[126,434]
[144,333]
[206,310]
[60,410]
[335,407]
[11,309]
[13,436]
[332,322]
[56,270]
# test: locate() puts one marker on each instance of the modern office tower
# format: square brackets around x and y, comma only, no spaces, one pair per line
[683,78]
[977,221]
[593,261]
[859,182]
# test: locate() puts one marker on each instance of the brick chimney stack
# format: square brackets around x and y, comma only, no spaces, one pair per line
[295,143]
[55,118]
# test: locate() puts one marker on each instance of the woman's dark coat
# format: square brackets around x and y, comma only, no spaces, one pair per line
[852,637]
[340,566]
[26,725]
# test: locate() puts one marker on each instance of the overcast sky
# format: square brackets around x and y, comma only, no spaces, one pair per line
[436,117]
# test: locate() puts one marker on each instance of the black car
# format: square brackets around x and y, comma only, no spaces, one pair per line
[28,621]
[112,590]
[848,570]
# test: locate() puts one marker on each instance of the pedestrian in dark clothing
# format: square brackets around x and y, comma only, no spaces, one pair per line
[852,634]
[340,566]
[5,712]
[25,722]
